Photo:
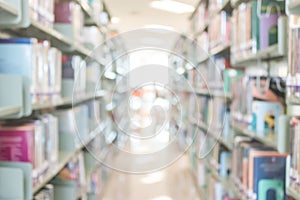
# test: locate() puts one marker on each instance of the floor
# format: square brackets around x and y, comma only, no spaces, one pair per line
[172,183]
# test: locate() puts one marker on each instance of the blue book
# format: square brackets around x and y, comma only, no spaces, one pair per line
[18,56]
[267,172]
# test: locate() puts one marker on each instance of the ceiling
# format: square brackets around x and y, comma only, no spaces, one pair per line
[135,14]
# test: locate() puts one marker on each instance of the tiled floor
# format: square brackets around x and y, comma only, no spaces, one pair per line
[172,183]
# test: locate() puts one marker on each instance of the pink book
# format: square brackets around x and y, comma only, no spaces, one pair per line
[17,144]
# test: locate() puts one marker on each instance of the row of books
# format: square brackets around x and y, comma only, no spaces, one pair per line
[219,30]
[38,140]
[257,103]
[255,170]
[204,14]
[210,111]
[68,17]
[292,81]
[215,5]
[34,140]
[49,74]
[212,167]
[42,11]
[258,171]
[74,181]
[36,61]
[255,25]
[215,75]
[294,169]
[69,20]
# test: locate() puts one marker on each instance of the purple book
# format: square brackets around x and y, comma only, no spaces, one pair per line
[268,30]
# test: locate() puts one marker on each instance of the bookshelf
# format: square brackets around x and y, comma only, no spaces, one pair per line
[207,93]
[225,7]
[236,3]
[244,131]
[17,20]
[293,6]
[206,130]
[65,157]
[6,111]
[8,9]
[294,194]
[56,38]
[220,50]
[236,191]
[204,29]
[216,175]
[89,17]
[67,101]
[203,59]
[269,53]
[244,57]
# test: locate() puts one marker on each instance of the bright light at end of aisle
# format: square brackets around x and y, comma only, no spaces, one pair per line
[162,198]
[153,178]
[115,20]
[158,26]
[172,6]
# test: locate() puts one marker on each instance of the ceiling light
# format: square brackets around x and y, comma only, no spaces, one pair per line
[172,6]
[115,20]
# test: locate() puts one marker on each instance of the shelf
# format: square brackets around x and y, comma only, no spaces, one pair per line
[56,38]
[236,191]
[293,110]
[252,134]
[66,101]
[89,14]
[226,182]
[236,3]
[203,92]
[293,101]
[7,9]
[218,94]
[199,189]
[220,50]
[205,28]
[6,111]
[271,52]
[203,59]
[226,7]
[64,158]
[204,128]
[196,8]
[292,193]
[294,6]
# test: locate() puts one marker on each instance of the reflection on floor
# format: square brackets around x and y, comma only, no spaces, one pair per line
[172,183]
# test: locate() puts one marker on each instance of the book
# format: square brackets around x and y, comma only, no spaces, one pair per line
[267,175]
[265,116]
[23,142]
[73,76]
[68,19]
[25,65]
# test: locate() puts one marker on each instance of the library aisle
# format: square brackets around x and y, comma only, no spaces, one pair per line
[149,99]
[174,182]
